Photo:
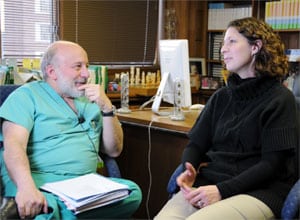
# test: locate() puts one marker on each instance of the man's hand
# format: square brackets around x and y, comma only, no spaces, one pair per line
[29,199]
[95,93]
[112,135]
[31,203]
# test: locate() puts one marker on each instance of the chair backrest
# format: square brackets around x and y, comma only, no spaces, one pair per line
[5,91]
[296,90]
[290,209]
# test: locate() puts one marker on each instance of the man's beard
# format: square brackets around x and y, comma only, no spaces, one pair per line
[68,89]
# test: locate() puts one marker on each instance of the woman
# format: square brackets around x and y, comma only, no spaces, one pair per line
[245,138]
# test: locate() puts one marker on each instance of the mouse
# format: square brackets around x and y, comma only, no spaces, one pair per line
[196,106]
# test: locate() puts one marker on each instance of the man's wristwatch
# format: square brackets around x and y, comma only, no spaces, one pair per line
[110,113]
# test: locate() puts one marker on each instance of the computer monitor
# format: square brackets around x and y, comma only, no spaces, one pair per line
[175,86]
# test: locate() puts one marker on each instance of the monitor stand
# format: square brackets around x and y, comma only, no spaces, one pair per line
[159,95]
[177,114]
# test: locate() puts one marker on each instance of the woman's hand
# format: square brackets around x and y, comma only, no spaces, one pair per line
[202,196]
[198,197]
[187,178]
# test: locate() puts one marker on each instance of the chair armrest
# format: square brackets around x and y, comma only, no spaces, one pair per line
[111,166]
[8,208]
[290,208]
[172,187]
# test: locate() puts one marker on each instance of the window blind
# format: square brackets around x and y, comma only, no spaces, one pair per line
[112,31]
[27,27]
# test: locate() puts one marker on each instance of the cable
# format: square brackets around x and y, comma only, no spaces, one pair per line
[146,103]
[93,144]
[149,169]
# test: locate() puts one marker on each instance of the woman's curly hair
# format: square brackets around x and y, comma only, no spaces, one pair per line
[270,59]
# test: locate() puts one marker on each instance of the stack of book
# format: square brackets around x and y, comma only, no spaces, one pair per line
[283,14]
[87,192]
[215,45]
[219,14]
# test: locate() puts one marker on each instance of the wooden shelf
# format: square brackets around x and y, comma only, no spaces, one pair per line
[142,91]
[135,91]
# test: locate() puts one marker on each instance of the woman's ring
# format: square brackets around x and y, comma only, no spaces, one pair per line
[200,203]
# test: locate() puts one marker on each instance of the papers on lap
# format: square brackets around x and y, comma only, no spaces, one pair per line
[87,192]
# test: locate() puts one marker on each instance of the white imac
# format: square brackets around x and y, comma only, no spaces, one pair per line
[175,86]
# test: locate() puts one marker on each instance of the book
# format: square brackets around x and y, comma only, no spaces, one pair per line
[87,192]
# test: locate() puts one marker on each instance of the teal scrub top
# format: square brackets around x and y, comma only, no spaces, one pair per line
[60,145]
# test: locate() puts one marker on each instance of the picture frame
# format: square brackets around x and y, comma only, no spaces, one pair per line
[198,65]
[210,82]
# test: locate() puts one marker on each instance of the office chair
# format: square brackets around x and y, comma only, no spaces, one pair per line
[8,209]
[296,90]
[290,209]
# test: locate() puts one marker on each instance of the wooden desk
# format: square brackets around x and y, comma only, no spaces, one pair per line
[153,147]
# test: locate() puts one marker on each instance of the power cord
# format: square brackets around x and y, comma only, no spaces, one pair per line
[149,169]
[146,103]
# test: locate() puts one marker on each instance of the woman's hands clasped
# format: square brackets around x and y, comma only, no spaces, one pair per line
[198,197]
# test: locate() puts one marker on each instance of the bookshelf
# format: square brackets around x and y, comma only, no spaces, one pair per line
[214,65]
[219,15]
[194,25]
[283,16]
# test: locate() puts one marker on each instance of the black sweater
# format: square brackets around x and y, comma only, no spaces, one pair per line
[248,131]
